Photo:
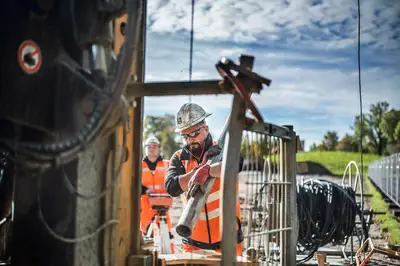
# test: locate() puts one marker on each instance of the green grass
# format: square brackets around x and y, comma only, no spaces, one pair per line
[336,163]
[388,223]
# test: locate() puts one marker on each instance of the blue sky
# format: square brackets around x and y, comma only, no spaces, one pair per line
[308,48]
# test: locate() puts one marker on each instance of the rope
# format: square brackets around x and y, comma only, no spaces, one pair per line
[64,239]
[191,42]
[191,63]
[115,178]
[360,90]
[191,47]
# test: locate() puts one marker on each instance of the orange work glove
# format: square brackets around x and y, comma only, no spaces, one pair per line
[201,175]
[199,178]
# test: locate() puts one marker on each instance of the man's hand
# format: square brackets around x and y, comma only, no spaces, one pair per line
[198,178]
[201,175]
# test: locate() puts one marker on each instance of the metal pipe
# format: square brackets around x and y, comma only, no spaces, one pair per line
[192,210]
[267,232]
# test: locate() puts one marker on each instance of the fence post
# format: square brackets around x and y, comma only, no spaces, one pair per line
[229,178]
[288,256]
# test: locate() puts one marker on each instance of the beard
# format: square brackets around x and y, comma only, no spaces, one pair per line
[195,148]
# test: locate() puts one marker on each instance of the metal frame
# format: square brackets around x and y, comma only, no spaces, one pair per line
[284,220]
[135,92]
[269,129]
[229,179]
[206,87]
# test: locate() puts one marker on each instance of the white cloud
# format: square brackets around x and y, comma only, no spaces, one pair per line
[325,98]
[310,76]
[329,91]
[300,21]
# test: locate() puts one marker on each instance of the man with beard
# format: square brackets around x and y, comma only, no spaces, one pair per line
[188,167]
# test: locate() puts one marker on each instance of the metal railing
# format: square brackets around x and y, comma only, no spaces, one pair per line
[267,193]
[385,174]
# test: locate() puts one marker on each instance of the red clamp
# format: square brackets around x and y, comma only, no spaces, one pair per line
[225,66]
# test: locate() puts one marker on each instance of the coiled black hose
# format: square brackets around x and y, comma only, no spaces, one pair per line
[327,214]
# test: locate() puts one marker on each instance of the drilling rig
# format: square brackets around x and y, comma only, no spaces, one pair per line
[62,90]
[72,89]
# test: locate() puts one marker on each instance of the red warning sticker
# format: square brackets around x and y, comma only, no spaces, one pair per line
[29,57]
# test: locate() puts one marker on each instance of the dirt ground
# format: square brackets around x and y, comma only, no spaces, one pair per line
[378,238]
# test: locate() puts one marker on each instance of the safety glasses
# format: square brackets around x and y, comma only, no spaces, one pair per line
[192,134]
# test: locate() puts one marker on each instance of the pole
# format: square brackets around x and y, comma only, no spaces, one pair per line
[138,73]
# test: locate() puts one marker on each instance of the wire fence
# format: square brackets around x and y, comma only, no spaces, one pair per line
[385,174]
[267,195]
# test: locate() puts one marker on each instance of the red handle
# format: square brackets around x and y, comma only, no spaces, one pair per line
[239,88]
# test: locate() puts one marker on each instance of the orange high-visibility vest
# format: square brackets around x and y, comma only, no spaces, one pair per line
[206,232]
[155,180]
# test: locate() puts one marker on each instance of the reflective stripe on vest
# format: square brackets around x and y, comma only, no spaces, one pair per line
[155,179]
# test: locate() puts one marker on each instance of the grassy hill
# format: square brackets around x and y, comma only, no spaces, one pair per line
[336,163]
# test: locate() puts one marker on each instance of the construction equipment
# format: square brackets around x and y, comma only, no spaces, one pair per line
[161,203]
[50,89]
[61,90]
[365,252]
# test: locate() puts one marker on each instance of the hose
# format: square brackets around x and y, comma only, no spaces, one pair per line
[327,214]
[54,154]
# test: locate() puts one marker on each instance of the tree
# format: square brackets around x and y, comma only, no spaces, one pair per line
[373,137]
[162,127]
[321,147]
[330,140]
[357,133]
[390,125]
[257,148]
[376,137]
[347,144]
[313,147]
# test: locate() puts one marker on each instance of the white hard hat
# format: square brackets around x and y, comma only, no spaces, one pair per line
[189,115]
[151,140]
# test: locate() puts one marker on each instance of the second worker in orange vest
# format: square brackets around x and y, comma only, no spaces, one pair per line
[154,168]
[188,166]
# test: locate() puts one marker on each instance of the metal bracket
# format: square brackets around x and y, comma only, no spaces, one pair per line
[321,258]
[250,80]
[364,253]
[225,67]
[267,129]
